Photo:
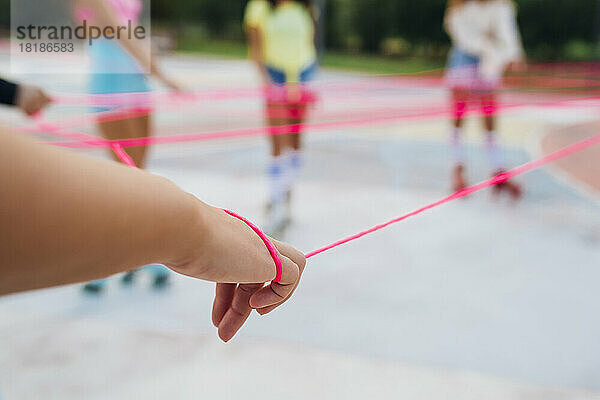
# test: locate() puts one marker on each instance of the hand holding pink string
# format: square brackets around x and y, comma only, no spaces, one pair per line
[234,253]
[267,243]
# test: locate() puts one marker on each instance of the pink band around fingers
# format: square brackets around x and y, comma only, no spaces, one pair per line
[265,239]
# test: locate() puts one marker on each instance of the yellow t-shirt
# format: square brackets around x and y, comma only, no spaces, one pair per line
[288,35]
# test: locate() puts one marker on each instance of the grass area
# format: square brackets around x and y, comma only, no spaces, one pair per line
[375,64]
[217,48]
[372,64]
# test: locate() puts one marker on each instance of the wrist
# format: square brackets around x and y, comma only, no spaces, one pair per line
[187,232]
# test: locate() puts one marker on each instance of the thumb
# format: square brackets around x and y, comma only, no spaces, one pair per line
[275,293]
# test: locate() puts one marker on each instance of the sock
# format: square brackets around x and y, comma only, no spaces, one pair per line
[277,179]
[294,163]
[458,148]
[494,151]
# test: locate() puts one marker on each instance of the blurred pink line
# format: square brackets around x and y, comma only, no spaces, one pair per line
[82,137]
[353,123]
[123,156]
[58,131]
[356,84]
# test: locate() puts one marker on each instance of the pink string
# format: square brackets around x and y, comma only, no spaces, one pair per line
[133,112]
[265,239]
[387,82]
[283,129]
[57,131]
[122,154]
[498,179]
[117,147]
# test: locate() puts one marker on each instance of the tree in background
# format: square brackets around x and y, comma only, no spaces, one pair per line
[552,29]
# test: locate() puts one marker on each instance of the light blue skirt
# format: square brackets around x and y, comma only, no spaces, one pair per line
[113,70]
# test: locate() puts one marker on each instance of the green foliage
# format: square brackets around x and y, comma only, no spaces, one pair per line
[5,14]
[548,27]
[551,29]
[222,18]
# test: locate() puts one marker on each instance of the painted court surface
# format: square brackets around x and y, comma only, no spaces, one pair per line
[482,298]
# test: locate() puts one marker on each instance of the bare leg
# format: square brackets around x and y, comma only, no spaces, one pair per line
[489,108]
[141,128]
[460,98]
[132,128]
[294,159]
[277,170]
[298,115]
[277,120]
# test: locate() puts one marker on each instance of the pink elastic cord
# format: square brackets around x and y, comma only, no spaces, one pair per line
[265,239]
[496,180]
[489,108]
[326,125]
[123,156]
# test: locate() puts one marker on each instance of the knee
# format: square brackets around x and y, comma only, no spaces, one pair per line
[460,109]
[489,107]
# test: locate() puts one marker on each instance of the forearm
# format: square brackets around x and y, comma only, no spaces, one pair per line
[509,36]
[66,218]
[257,57]
[259,64]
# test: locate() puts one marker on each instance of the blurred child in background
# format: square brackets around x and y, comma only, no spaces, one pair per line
[485,42]
[116,67]
[281,38]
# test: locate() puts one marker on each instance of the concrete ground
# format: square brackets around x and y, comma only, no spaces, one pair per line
[582,168]
[482,298]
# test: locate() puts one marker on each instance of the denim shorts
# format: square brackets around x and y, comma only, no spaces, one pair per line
[463,72]
[278,77]
[279,90]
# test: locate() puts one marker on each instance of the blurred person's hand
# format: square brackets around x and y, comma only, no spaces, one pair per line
[168,82]
[233,255]
[31,99]
[171,84]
